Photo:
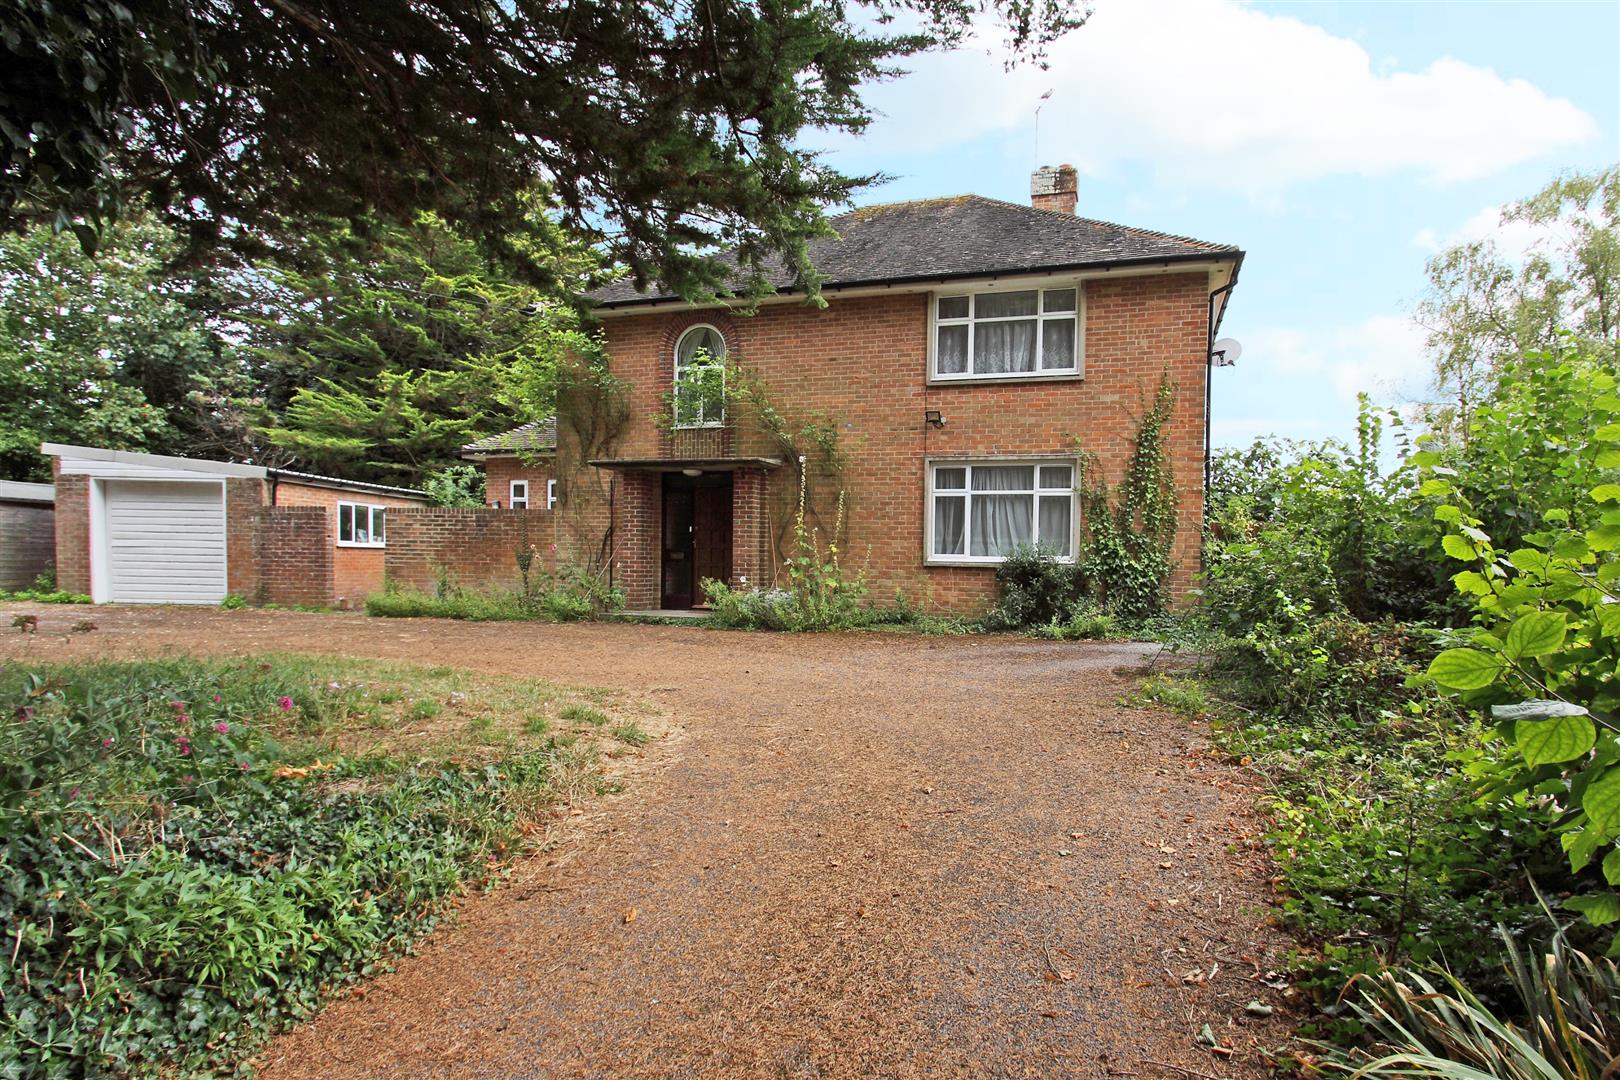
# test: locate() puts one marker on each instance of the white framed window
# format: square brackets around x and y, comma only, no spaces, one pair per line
[362,525]
[551,494]
[1007,334]
[518,495]
[700,378]
[979,512]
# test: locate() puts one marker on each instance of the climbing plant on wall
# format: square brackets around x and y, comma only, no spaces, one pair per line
[1130,529]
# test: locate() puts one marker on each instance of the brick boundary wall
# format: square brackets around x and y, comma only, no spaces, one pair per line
[473,548]
[292,549]
[27,542]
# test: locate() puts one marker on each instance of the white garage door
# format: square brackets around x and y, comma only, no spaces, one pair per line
[165,542]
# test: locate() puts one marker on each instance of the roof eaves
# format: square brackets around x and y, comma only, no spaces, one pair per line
[1216,255]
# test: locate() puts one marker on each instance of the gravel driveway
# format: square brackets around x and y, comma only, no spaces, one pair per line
[854,855]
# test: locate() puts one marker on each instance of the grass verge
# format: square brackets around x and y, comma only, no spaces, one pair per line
[197,853]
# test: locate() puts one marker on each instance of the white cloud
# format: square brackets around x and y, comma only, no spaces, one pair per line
[1381,355]
[1514,239]
[1216,92]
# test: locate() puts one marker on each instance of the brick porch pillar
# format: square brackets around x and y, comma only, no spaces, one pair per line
[638,535]
[750,531]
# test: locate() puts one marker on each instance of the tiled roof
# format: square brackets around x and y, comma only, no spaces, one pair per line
[533,438]
[961,236]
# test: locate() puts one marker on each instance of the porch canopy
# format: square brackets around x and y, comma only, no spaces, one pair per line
[664,464]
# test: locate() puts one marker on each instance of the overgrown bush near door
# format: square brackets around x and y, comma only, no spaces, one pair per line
[821,592]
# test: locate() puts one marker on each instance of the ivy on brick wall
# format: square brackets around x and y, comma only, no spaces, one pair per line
[1130,530]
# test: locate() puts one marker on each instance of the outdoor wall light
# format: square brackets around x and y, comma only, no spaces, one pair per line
[691,472]
[934,418]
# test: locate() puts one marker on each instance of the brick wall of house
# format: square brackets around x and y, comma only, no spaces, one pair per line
[474,548]
[27,542]
[294,554]
[72,530]
[639,505]
[499,472]
[863,361]
[356,571]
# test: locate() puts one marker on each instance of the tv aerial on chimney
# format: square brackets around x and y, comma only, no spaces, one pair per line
[1044,99]
[1225,352]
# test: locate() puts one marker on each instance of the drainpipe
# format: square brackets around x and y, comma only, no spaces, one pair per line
[1209,369]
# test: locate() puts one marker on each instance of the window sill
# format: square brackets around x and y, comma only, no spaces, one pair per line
[981,563]
[363,547]
[1002,380]
[716,426]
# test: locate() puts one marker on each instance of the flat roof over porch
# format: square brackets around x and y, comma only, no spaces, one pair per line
[720,464]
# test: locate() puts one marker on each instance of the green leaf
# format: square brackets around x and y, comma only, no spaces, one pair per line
[1602,800]
[1611,867]
[1607,433]
[1458,548]
[1600,909]
[1535,634]
[1608,458]
[1604,537]
[1471,583]
[1547,742]
[1464,669]
[1606,493]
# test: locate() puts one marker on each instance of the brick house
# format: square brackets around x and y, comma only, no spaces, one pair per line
[970,352]
[148,528]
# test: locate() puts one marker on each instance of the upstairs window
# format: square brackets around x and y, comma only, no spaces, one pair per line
[700,378]
[361,525]
[1007,335]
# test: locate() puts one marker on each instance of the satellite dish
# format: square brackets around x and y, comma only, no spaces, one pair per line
[1225,352]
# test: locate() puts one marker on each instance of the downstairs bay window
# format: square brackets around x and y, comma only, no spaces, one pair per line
[980,512]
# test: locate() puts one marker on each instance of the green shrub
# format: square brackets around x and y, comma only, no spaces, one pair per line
[177,882]
[32,597]
[753,609]
[1036,589]
[1083,622]
[233,603]
[566,596]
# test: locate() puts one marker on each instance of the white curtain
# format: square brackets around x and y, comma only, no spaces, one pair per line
[1002,522]
[950,515]
[1055,527]
[1003,346]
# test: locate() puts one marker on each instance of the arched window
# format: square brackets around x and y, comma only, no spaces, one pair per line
[700,378]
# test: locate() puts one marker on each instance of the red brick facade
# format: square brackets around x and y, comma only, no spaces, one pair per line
[499,472]
[355,572]
[862,363]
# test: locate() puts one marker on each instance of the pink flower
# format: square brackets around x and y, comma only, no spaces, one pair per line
[74,794]
[244,766]
[188,778]
[185,746]
[25,712]
[106,744]
[222,727]
[286,704]
[178,706]
[218,699]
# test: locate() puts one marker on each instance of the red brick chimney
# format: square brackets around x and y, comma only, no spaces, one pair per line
[1054,189]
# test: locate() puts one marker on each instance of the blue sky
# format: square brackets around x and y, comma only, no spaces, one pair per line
[1338,143]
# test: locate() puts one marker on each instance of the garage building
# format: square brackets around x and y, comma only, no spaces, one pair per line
[150,529]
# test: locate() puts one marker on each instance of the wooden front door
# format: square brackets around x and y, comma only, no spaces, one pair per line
[696,536]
